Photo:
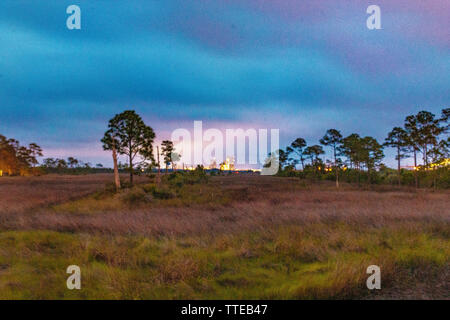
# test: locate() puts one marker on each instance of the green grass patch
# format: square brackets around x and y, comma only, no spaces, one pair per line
[321,261]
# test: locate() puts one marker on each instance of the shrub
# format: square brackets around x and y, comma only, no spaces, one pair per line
[125,184]
[110,187]
[180,178]
[288,171]
[157,192]
[162,193]
[136,195]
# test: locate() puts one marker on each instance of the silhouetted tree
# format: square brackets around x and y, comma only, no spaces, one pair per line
[445,120]
[61,164]
[291,161]
[298,147]
[314,152]
[428,130]
[17,159]
[34,152]
[362,151]
[72,162]
[398,139]
[333,138]
[49,163]
[128,135]
[413,142]
[350,148]
[371,154]
[167,150]
[8,159]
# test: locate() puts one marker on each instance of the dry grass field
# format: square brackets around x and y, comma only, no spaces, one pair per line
[237,236]
[20,194]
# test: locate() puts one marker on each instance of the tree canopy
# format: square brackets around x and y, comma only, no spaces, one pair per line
[17,159]
[167,152]
[130,136]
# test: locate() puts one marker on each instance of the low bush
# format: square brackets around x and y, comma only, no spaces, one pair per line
[158,192]
[133,196]
[180,178]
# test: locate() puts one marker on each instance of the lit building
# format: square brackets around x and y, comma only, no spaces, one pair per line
[227,165]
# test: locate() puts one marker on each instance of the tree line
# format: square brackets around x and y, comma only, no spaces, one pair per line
[354,157]
[69,165]
[423,134]
[16,159]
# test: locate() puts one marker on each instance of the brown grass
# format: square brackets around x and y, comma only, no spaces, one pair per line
[277,229]
[263,202]
[20,194]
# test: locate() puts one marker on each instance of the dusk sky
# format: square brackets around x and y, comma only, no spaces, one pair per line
[302,66]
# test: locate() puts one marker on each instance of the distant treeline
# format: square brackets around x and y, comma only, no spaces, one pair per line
[16,159]
[359,159]
[71,165]
[355,158]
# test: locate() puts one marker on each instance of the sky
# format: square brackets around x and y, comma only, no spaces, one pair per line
[301,66]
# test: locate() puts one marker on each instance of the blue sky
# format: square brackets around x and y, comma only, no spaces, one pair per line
[300,66]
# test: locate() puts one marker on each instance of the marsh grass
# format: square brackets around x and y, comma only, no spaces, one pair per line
[150,195]
[284,263]
[230,238]
[23,194]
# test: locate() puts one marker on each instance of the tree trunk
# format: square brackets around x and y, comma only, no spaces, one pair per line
[425,155]
[116,169]
[336,168]
[337,177]
[359,175]
[398,166]
[131,170]
[158,177]
[434,178]
[415,169]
